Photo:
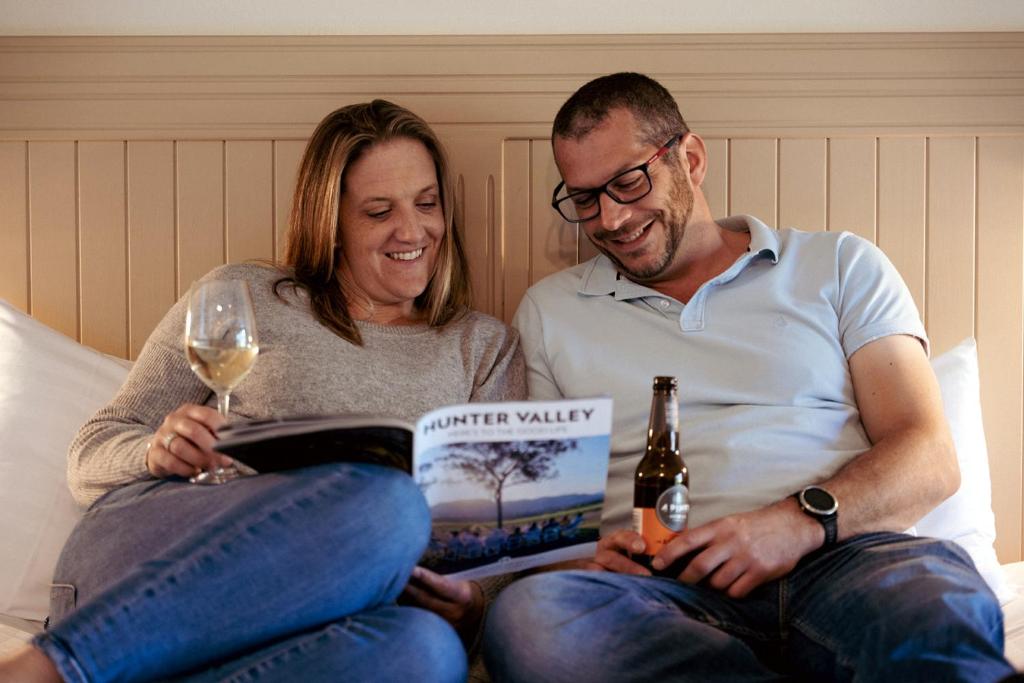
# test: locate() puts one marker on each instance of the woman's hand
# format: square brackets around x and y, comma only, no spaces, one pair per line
[184,444]
[459,602]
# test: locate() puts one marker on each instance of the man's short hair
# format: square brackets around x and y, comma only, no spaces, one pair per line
[653,107]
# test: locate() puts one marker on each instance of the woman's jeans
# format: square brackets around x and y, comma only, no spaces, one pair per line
[878,607]
[289,576]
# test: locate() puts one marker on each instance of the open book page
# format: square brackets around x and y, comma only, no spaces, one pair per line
[304,441]
[512,485]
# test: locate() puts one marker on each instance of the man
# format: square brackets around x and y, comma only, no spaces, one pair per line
[802,367]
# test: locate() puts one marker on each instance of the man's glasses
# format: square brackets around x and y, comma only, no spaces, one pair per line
[627,187]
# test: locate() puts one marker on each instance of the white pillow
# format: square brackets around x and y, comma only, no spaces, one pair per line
[49,386]
[966,517]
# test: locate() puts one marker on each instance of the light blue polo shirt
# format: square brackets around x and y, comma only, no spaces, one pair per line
[760,352]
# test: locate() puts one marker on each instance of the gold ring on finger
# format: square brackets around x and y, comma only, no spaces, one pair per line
[168,439]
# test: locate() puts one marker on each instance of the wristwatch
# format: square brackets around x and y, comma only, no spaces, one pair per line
[818,503]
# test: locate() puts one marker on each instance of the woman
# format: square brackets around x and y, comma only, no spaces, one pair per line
[291,575]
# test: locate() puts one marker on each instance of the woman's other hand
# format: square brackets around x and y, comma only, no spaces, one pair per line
[184,444]
[459,602]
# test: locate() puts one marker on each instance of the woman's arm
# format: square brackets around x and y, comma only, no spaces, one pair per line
[502,368]
[111,447]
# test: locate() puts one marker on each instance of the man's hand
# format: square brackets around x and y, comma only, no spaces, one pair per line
[459,602]
[614,553]
[738,553]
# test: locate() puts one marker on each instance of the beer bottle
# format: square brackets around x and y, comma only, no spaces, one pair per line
[661,493]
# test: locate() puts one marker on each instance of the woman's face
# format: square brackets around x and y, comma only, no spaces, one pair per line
[391,227]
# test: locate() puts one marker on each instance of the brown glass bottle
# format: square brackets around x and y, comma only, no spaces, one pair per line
[661,485]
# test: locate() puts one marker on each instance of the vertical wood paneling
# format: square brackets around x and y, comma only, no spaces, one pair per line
[803,184]
[753,179]
[554,244]
[716,178]
[852,186]
[150,238]
[515,232]
[287,156]
[249,210]
[901,208]
[14,224]
[477,160]
[54,242]
[66,260]
[200,210]
[950,272]
[1000,344]
[103,248]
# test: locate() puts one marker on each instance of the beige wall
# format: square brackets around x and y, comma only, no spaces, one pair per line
[130,166]
[447,17]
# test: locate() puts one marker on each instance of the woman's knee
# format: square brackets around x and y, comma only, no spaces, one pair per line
[372,510]
[384,496]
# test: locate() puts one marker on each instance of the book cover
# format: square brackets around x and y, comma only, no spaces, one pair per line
[510,485]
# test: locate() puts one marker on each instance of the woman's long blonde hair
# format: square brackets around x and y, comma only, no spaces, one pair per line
[313,245]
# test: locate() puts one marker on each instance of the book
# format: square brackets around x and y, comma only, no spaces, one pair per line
[510,485]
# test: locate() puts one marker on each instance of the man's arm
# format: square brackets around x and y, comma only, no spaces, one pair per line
[912,464]
[910,468]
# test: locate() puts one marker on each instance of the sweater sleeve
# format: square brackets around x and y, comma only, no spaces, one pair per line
[501,375]
[109,450]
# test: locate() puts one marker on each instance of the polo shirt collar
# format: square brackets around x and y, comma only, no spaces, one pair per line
[601,277]
[764,241]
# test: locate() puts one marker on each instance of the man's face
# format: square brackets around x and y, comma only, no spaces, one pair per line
[641,238]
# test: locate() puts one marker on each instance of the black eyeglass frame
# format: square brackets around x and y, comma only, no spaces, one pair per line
[596,191]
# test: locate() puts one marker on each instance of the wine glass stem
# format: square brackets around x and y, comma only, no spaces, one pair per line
[222,403]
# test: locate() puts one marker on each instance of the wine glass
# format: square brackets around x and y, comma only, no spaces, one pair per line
[221,346]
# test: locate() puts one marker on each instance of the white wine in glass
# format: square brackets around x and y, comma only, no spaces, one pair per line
[221,346]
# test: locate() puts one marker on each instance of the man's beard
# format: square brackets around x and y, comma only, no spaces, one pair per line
[674,219]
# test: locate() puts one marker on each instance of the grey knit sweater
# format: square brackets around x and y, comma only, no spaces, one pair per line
[303,368]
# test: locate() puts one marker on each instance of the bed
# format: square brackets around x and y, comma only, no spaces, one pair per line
[913,141]
[52,384]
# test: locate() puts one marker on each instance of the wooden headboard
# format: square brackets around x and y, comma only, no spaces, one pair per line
[130,166]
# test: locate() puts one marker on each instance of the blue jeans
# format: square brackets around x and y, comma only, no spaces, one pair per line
[878,607]
[289,576]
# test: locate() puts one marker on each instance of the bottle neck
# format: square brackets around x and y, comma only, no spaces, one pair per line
[663,428]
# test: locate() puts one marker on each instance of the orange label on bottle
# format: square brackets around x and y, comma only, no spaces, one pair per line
[656,535]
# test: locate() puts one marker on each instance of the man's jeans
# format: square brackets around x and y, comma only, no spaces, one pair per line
[289,576]
[878,607]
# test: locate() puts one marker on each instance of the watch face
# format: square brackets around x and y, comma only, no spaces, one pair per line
[819,500]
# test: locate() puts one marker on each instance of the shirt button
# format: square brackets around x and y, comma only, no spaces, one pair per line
[665,304]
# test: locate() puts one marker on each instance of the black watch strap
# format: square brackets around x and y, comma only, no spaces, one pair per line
[831,525]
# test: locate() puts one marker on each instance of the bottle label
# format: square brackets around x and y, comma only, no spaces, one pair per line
[672,413]
[673,507]
[656,535]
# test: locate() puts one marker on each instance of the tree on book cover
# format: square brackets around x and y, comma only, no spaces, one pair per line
[497,466]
